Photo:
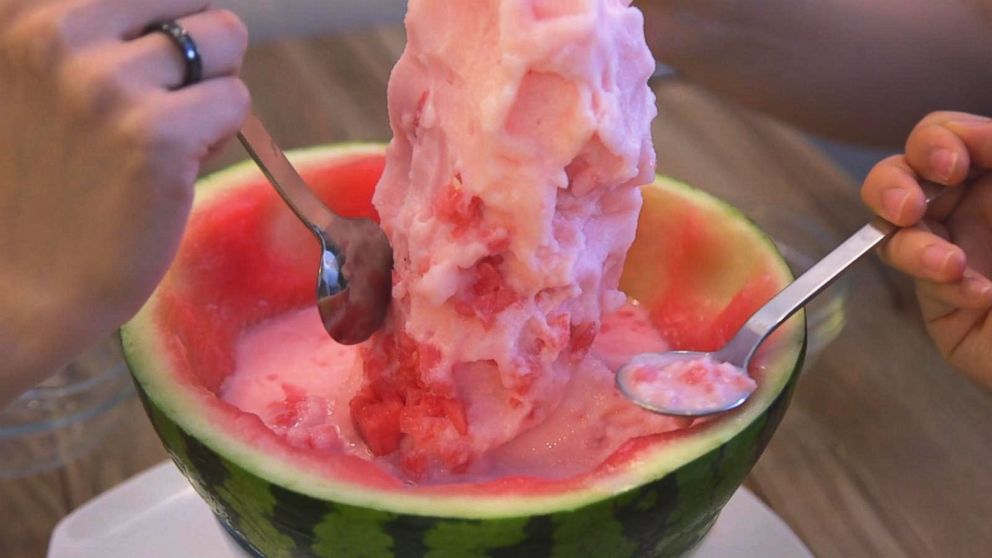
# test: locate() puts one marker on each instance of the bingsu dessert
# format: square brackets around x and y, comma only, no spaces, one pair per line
[522,133]
[510,195]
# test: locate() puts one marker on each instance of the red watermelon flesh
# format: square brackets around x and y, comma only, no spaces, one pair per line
[210,311]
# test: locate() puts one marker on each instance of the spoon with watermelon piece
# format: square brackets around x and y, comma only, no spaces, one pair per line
[699,384]
[354,275]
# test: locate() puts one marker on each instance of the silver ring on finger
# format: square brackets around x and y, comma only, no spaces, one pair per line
[187,49]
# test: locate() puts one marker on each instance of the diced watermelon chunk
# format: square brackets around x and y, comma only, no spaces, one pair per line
[396,408]
[488,294]
[454,206]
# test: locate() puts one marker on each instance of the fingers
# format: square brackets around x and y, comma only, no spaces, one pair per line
[128,19]
[50,32]
[945,146]
[951,149]
[67,25]
[211,112]
[923,255]
[221,38]
[891,190]
[952,317]
[190,122]
[108,78]
[945,282]
[935,152]
[972,292]
[91,21]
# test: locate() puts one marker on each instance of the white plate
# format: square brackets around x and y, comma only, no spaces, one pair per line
[157,515]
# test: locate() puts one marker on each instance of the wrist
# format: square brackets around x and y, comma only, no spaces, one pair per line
[31,348]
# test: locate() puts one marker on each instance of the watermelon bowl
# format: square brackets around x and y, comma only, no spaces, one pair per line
[698,266]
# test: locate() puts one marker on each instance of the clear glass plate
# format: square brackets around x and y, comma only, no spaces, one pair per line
[66,416]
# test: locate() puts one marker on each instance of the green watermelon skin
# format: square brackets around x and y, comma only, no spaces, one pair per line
[664,518]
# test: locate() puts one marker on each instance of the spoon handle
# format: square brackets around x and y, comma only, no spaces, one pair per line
[284,178]
[741,348]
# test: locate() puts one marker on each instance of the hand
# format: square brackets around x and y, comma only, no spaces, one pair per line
[948,248]
[99,149]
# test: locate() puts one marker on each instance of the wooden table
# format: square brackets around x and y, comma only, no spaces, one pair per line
[884,452]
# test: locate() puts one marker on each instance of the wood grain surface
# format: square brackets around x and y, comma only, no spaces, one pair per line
[885,450]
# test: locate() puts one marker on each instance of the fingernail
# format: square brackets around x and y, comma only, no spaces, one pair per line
[974,121]
[893,200]
[935,258]
[943,162]
[976,286]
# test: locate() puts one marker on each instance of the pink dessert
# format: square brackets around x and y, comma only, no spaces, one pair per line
[510,196]
[299,384]
[699,384]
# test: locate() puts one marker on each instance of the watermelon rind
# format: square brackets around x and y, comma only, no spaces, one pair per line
[660,503]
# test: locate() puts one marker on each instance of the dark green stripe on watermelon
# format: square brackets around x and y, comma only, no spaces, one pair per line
[660,519]
[537,536]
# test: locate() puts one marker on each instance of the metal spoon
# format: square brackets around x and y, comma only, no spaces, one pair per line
[354,273]
[741,348]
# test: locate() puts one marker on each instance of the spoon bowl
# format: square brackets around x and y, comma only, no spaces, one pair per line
[354,274]
[354,283]
[636,383]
